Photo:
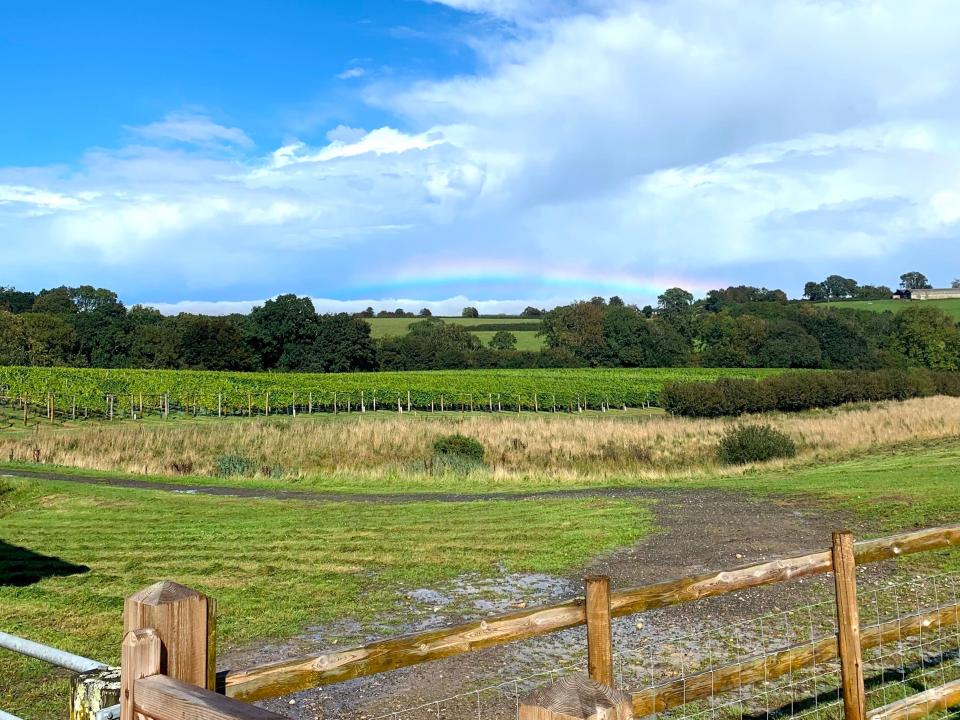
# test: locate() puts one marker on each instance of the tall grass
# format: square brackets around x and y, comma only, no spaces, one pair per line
[561,447]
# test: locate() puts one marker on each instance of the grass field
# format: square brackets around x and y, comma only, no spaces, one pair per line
[277,565]
[525,329]
[951,306]
[274,566]
[387,451]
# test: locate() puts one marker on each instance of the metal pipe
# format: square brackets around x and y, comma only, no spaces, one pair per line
[76,663]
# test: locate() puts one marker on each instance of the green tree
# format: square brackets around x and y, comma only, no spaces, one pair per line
[577,328]
[914,281]
[342,344]
[839,287]
[815,292]
[788,345]
[285,330]
[470,312]
[13,339]
[927,337]
[16,301]
[675,307]
[50,339]
[530,311]
[503,340]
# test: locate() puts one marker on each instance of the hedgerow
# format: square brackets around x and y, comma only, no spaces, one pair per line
[795,391]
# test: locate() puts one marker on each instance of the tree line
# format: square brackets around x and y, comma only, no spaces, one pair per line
[741,326]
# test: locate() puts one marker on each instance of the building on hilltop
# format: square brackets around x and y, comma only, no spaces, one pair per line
[932,294]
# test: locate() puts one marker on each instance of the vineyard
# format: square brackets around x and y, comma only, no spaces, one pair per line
[79,393]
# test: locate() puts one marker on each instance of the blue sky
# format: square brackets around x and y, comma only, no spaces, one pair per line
[494,152]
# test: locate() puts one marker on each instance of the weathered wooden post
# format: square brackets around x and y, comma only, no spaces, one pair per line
[141,655]
[599,631]
[185,621]
[848,627]
[575,698]
[93,691]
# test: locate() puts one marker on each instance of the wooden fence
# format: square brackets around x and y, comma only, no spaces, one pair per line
[169,648]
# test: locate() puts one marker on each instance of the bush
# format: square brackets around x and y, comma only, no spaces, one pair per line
[803,391]
[754,443]
[458,447]
[232,465]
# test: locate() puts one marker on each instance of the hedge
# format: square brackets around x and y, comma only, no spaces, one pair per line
[794,392]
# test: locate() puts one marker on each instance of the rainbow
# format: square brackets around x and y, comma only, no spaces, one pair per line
[436,274]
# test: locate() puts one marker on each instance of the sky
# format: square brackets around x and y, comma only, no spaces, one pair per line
[496,153]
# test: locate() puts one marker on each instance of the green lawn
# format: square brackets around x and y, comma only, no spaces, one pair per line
[525,329]
[273,566]
[951,307]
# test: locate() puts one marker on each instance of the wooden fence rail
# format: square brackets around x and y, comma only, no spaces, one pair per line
[275,679]
[169,649]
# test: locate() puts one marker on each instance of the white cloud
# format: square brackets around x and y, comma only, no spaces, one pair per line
[193,128]
[691,138]
[352,73]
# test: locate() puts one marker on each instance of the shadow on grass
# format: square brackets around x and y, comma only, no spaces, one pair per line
[20,567]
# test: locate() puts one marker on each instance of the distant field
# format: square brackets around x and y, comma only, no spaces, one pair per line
[951,307]
[524,328]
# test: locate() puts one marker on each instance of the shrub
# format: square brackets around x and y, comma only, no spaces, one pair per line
[793,392]
[754,443]
[458,447]
[230,465]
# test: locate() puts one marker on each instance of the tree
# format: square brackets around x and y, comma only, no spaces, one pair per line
[616,301]
[914,281]
[13,341]
[285,330]
[342,344]
[788,345]
[530,311]
[50,339]
[577,328]
[470,312]
[955,284]
[815,292]
[839,287]
[425,312]
[503,340]
[16,301]
[675,307]
[873,292]
[927,337]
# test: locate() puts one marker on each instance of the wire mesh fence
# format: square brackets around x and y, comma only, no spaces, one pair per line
[778,665]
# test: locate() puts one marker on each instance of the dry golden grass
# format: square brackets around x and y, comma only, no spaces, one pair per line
[563,447]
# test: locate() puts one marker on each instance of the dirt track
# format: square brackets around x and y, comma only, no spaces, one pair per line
[699,531]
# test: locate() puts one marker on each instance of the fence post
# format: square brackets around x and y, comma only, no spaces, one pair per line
[93,691]
[575,697]
[140,658]
[599,635]
[848,626]
[185,621]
